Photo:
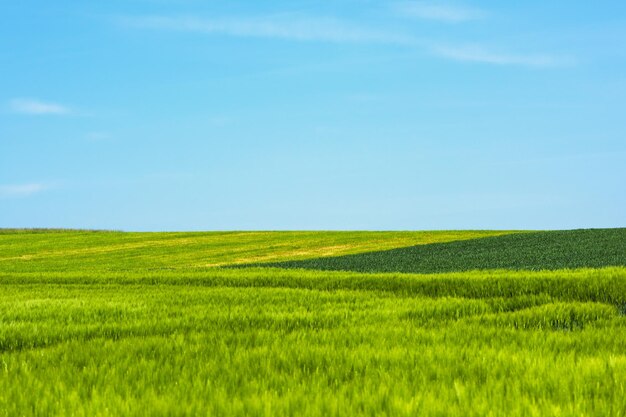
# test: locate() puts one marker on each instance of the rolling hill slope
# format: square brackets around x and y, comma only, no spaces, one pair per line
[549,250]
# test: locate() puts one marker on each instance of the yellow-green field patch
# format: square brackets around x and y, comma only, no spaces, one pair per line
[117,250]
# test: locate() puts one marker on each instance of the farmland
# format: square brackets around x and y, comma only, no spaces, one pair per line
[466,323]
[529,251]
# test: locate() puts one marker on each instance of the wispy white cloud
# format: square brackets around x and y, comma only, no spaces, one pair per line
[478,53]
[282,26]
[37,107]
[20,190]
[298,27]
[442,12]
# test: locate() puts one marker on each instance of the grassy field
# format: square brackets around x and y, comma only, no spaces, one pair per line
[149,324]
[23,250]
[591,248]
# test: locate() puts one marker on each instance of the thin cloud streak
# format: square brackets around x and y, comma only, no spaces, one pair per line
[37,107]
[283,26]
[477,53]
[302,29]
[20,190]
[437,11]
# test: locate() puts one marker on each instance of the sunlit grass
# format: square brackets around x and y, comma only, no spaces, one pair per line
[118,333]
[55,250]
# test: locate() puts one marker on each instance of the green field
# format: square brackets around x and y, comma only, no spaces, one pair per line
[454,323]
[591,248]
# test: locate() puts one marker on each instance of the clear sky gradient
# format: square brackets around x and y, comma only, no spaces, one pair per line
[206,115]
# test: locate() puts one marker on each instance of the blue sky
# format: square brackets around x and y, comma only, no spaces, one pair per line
[206,115]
